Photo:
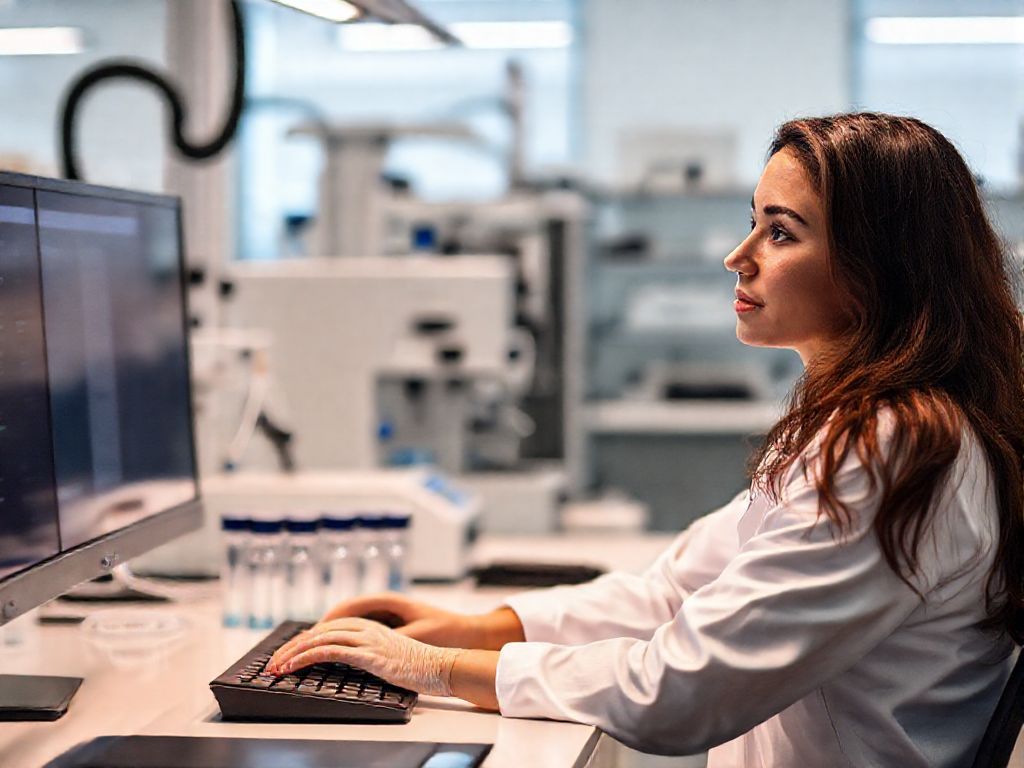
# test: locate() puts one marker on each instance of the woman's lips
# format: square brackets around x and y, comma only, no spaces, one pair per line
[745,303]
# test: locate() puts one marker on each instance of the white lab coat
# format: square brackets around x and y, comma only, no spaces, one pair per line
[762,634]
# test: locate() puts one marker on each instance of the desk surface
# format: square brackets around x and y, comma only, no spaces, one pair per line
[165,691]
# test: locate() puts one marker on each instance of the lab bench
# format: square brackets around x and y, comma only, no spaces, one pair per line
[164,690]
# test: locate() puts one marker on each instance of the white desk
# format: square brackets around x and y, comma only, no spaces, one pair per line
[167,693]
[681,417]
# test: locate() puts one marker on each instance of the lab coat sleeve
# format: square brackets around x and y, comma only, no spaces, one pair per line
[796,606]
[634,605]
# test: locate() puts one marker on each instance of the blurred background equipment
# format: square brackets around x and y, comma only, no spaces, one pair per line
[444,515]
[600,160]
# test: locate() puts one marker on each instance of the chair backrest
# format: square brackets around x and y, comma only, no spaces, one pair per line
[1005,725]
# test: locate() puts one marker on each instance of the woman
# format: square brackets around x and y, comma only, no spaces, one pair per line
[860,604]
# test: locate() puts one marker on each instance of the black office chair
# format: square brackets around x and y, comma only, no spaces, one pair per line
[1004,727]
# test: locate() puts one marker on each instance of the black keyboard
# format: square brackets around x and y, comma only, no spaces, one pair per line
[322,692]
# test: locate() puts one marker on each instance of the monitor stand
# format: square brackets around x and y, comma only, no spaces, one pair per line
[121,585]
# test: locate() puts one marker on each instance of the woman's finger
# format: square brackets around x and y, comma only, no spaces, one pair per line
[351,624]
[340,638]
[327,654]
[286,649]
[385,602]
[289,649]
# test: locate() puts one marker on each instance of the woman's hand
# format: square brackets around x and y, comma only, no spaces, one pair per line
[397,658]
[435,626]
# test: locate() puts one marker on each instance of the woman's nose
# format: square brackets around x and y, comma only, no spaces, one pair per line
[739,260]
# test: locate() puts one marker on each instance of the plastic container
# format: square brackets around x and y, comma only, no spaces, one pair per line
[374,567]
[266,574]
[303,584]
[234,573]
[396,549]
[339,559]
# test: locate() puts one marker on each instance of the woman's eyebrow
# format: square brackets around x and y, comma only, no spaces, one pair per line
[780,210]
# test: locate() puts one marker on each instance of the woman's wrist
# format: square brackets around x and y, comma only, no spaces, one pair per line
[472,677]
[495,629]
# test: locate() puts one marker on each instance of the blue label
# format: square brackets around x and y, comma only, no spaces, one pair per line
[437,484]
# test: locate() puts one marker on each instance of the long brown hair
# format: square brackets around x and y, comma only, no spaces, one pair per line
[935,339]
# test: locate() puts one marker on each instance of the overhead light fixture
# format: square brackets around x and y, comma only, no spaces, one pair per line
[391,11]
[41,41]
[332,10]
[363,38]
[473,34]
[945,30]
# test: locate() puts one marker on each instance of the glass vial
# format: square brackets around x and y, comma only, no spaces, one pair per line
[266,574]
[234,574]
[373,558]
[339,559]
[396,550]
[302,571]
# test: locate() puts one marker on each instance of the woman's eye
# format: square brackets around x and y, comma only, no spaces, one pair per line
[778,234]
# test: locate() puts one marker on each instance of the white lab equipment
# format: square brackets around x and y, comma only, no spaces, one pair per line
[392,361]
[340,326]
[443,514]
[351,190]
[673,160]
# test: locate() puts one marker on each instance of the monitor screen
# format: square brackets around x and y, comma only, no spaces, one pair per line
[95,413]
[28,503]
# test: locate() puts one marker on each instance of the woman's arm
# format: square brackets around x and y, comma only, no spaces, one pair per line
[433,625]
[797,606]
[634,605]
[497,628]
[472,678]
[571,615]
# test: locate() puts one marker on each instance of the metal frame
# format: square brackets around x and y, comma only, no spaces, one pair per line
[43,581]
[28,181]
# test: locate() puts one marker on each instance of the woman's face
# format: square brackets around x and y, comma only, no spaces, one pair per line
[785,296]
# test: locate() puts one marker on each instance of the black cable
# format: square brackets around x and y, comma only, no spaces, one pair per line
[280,438]
[130,69]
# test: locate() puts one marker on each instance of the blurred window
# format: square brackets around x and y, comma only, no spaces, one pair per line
[957,66]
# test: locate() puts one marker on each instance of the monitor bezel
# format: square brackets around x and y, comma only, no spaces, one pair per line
[36,584]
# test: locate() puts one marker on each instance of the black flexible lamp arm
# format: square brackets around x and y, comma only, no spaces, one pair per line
[129,69]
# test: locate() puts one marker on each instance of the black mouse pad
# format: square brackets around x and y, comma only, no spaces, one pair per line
[196,752]
[35,697]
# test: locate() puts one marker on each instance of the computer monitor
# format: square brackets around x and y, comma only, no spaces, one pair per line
[97,461]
